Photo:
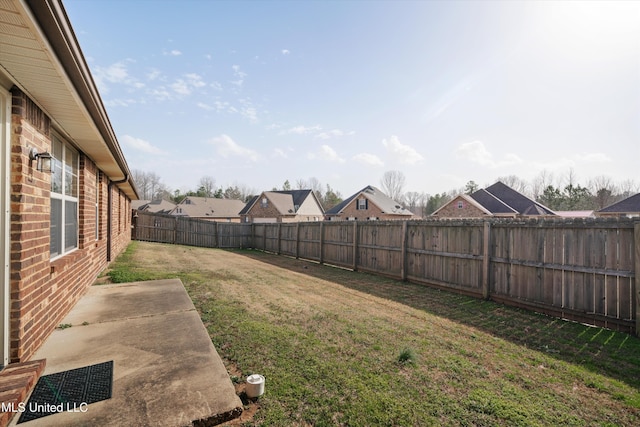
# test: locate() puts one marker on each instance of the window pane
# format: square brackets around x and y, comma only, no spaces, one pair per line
[56,176]
[71,172]
[55,231]
[56,166]
[70,225]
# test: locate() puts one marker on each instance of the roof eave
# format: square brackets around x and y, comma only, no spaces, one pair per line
[52,26]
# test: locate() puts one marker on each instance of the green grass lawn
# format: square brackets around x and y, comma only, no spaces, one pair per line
[343,348]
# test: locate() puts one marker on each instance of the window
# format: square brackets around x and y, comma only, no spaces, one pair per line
[265,202]
[460,204]
[362,204]
[97,190]
[64,199]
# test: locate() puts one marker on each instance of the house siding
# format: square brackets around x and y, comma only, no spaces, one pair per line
[43,291]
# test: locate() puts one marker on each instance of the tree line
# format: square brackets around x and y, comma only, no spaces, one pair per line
[558,193]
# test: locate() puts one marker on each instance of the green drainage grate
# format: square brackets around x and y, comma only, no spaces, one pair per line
[69,391]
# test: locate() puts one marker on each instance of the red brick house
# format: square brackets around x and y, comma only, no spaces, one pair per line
[283,206]
[497,200]
[59,228]
[368,204]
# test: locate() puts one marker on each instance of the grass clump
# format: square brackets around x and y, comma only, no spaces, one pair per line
[407,356]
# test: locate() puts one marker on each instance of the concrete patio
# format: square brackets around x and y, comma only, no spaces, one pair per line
[166,370]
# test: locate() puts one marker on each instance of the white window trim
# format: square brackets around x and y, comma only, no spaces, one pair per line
[64,198]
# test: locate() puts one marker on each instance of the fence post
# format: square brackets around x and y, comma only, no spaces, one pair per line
[175,230]
[321,242]
[403,256]
[297,240]
[355,245]
[217,234]
[636,238]
[279,246]
[264,237]
[486,259]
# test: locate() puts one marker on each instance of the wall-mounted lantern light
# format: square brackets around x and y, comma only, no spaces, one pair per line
[43,160]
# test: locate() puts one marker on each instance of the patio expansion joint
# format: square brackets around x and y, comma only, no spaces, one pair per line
[143,316]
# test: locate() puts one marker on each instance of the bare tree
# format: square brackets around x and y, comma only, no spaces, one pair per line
[149,185]
[392,184]
[516,183]
[207,186]
[540,183]
[628,188]
[603,191]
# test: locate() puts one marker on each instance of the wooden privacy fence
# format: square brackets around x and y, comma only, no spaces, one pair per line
[578,269]
[161,228]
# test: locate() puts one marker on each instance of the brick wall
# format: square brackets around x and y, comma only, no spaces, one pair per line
[43,291]
[259,211]
[467,210]
[372,210]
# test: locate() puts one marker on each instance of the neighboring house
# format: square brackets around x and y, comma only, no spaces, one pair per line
[283,206]
[209,208]
[497,200]
[60,228]
[629,207]
[368,204]
[153,206]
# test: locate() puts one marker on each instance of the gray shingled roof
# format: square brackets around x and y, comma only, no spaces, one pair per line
[153,206]
[507,200]
[628,205]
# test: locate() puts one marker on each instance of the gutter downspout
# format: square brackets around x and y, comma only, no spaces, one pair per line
[110,213]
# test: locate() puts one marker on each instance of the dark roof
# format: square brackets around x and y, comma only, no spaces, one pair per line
[512,201]
[630,204]
[248,205]
[491,202]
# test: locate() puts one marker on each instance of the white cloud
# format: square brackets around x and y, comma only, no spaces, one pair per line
[582,161]
[300,130]
[161,93]
[285,51]
[173,52]
[334,133]
[239,74]
[205,106]
[401,152]
[154,75]
[368,159]
[476,152]
[326,153]
[186,85]
[226,147]
[139,144]
[221,106]
[593,158]
[194,80]
[181,87]
[116,73]
[280,153]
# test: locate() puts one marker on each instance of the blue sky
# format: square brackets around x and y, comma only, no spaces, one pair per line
[257,92]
